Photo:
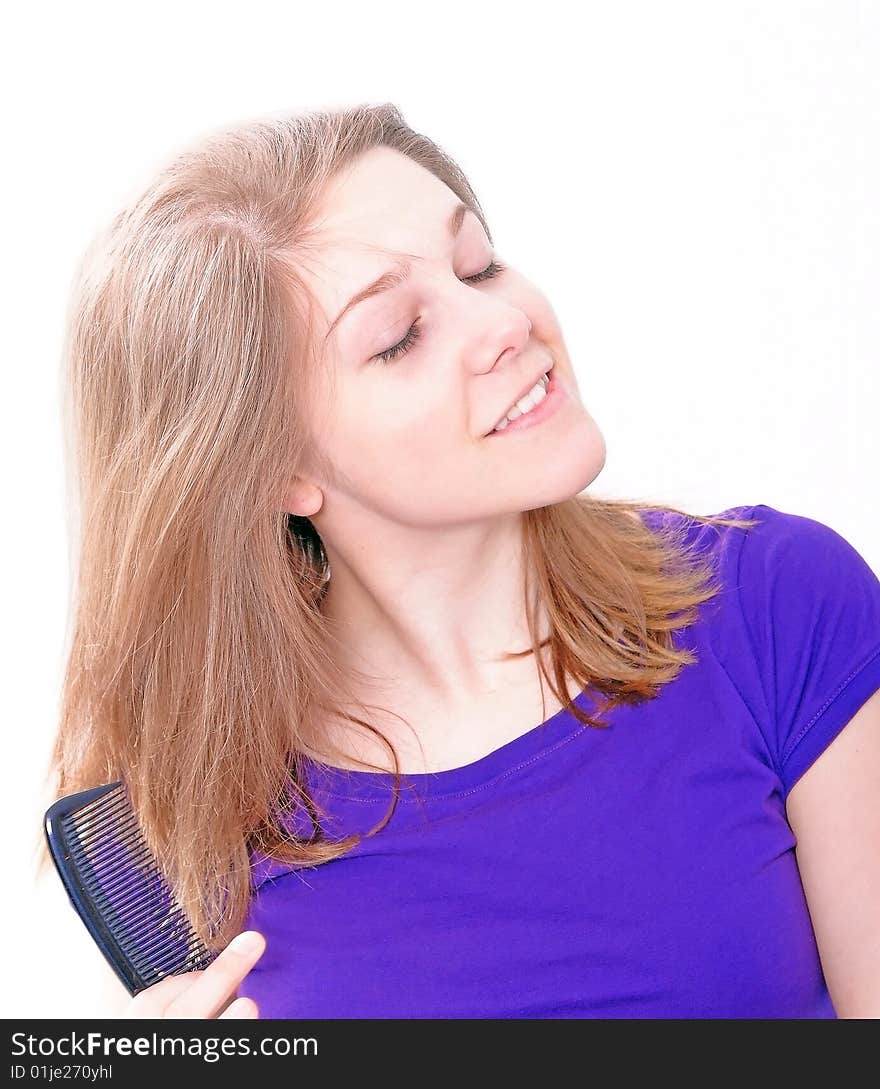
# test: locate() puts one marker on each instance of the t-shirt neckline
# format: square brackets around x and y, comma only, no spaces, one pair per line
[535,743]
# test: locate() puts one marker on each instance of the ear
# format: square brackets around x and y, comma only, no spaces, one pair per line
[304,499]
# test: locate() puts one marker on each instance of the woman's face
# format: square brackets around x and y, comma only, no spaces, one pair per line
[410,436]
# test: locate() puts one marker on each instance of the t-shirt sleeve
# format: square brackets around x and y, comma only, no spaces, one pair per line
[811,606]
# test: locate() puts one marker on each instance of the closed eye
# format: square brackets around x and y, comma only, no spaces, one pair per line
[415,330]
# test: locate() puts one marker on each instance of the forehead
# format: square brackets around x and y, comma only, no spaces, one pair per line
[379,208]
[383,199]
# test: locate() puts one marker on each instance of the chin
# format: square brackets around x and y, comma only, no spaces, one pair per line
[572,476]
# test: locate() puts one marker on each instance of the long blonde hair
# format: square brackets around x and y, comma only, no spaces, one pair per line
[200,667]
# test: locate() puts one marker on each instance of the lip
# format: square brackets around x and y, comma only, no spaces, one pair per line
[548,370]
[553,398]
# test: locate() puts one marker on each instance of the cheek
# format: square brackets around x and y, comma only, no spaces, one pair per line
[533,302]
[408,440]
[545,324]
[404,430]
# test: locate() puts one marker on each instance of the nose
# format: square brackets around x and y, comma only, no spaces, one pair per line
[513,336]
[494,326]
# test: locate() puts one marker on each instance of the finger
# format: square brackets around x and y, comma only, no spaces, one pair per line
[152,1001]
[241,1007]
[220,979]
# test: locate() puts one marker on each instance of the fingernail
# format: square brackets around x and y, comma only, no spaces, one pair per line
[249,941]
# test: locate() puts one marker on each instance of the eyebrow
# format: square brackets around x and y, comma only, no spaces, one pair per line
[394,277]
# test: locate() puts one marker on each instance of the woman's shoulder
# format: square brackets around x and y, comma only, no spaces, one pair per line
[704,532]
[802,633]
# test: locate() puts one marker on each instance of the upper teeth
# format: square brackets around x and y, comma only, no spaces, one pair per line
[535,395]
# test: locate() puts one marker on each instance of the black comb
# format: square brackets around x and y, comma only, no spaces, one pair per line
[118,890]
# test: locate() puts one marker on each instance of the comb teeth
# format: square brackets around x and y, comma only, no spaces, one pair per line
[118,890]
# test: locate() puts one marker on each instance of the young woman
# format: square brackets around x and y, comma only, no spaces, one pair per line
[388,686]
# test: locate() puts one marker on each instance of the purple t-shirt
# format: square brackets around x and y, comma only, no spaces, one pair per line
[646,870]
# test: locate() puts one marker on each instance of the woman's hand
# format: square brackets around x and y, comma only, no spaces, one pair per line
[205,991]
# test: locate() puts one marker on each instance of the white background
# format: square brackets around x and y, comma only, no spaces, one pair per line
[693,184]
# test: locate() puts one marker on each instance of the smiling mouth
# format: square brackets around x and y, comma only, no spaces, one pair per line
[529,401]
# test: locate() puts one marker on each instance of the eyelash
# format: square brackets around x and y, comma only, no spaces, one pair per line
[415,330]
